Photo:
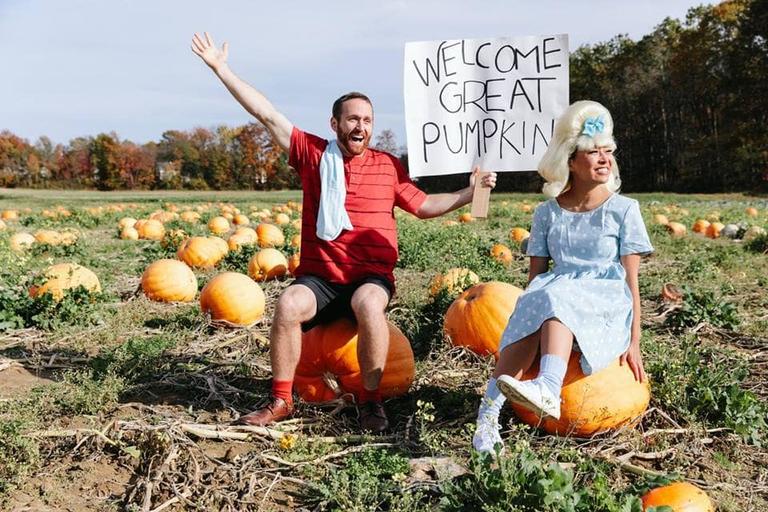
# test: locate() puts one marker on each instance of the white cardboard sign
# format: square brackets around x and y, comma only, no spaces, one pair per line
[487,102]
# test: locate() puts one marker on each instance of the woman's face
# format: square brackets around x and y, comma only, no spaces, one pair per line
[593,166]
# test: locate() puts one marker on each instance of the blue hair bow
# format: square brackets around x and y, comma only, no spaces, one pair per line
[593,126]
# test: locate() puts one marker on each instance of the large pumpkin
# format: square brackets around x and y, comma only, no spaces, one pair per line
[478,316]
[267,264]
[270,235]
[48,236]
[21,241]
[9,215]
[58,279]
[502,254]
[518,234]
[680,496]
[218,225]
[201,252]
[329,363]
[590,404]
[169,281]
[126,222]
[232,298]
[150,229]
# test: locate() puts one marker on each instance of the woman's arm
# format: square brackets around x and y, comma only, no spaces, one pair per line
[631,264]
[539,265]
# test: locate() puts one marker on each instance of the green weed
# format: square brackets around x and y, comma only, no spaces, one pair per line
[703,307]
[699,384]
[371,480]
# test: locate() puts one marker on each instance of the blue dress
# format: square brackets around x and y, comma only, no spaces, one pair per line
[586,289]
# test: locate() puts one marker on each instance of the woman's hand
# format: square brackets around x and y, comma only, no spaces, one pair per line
[207,51]
[634,358]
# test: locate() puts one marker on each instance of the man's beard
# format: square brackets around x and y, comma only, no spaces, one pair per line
[355,149]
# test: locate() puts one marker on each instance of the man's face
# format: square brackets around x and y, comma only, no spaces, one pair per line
[354,126]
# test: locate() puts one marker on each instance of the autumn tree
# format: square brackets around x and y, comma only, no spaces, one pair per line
[105,161]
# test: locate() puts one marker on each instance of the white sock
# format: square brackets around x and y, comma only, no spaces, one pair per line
[552,372]
[490,405]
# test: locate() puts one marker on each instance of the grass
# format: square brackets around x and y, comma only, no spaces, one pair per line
[136,370]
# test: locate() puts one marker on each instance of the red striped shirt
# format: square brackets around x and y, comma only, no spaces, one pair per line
[376,183]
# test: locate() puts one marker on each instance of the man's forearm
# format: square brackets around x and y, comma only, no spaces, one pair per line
[439,204]
[257,104]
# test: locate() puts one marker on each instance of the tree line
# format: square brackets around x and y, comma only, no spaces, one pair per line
[689,100]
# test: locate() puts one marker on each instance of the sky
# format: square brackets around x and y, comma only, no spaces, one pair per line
[82,67]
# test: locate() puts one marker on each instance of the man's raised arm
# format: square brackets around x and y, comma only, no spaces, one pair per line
[251,99]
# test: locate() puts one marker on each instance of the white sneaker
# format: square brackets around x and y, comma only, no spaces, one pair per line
[487,437]
[530,394]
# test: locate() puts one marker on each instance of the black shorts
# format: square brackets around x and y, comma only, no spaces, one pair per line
[335,300]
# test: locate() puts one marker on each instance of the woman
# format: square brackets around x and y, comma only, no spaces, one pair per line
[589,301]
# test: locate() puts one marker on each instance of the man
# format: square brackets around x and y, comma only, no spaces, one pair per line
[347,271]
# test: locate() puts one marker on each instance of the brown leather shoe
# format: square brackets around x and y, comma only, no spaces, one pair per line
[373,418]
[275,410]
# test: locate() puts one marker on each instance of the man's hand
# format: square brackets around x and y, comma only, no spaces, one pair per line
[207,51]
[489,180]
[252,100]
[634,358]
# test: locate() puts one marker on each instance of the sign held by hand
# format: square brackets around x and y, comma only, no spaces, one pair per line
[486,102]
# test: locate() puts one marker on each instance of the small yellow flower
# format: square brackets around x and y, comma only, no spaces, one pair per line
[288,441]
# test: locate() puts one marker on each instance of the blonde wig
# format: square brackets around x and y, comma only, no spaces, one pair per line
[584,125]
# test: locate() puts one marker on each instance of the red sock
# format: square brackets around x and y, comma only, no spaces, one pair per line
[282,389]
[370,396]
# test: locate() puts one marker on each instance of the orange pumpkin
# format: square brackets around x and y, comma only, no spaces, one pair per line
[660,218]
[591,404]
[267,264]
[478,316]
[466,217]
[150,229]
[329,365]
[218,225]
[502,254]
[190,217]
[48,236]
[751,211]
[126,222]
[169,281]
[232,298]
[518,234]
[676,229]
[201,252]
[293,263]
[21,241]
[700,226]
[454,280]
[241,220]
[281,219]
[63,277]
[236,241]
[270,235]
[714,229]
[680,496]
[10,215]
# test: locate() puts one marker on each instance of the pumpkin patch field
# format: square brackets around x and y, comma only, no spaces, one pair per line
[134,328]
